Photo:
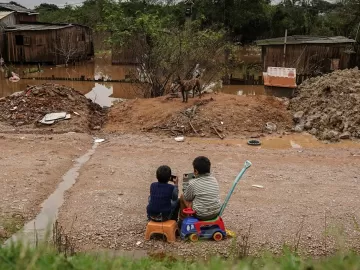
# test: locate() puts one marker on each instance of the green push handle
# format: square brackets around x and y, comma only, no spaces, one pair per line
[247,165]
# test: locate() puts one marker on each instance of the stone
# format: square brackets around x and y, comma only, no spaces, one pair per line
[308,125]
[299,128]
[270,127]
[313,131]
[297,116]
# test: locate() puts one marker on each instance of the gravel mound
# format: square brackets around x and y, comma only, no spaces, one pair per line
[25,109]
[328,106]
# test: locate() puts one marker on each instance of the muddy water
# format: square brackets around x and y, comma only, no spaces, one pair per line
[243,90]
[36,229]
[103,93]
[293,141]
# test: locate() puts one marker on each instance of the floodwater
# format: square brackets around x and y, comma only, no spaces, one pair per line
[243,90]
[103,93]
[36,229]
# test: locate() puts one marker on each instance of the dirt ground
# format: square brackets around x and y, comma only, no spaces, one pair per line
[229,114]
[310,195]
[31,168]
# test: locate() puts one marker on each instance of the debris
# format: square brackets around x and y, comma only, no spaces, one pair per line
[328,106]
[217,132]
[30,106]
[180,139]
[254,142]
[193,128]
[257,186]
[138,243]
[51,118]
[76,113]
[230,234]
[55,116]
[295,145]
[98,140]
[270,127]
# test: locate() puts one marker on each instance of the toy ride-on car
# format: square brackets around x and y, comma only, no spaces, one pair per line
[193,228]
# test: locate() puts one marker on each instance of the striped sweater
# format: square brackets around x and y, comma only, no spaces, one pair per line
[204,194]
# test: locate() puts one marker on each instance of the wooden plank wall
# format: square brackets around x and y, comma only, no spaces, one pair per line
[42,47]
[307,59]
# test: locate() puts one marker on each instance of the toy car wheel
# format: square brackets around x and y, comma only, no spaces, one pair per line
[217,236]
[193,237]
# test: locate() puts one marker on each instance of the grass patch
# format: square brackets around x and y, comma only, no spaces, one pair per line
[45,257]
[10,225]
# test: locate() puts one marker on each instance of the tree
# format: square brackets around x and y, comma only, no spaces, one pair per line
[68,47]
[164,49]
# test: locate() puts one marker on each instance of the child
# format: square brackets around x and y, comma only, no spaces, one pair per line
[202,193]
[163,199]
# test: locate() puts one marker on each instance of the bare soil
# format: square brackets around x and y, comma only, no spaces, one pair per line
[229,114]
[31,168]
[310,197]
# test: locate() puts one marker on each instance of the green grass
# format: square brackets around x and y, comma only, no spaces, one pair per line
[19,257]
[10,225]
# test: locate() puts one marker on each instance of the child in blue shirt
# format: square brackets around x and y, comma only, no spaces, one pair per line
[163,200]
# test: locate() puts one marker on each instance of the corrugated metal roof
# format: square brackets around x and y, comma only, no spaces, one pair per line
[304,40]
[16,8]
[3,14]
[36,27]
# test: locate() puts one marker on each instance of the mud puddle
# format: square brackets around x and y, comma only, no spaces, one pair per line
[293,141]
[37,229]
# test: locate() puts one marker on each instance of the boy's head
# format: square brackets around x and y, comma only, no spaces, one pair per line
[201,165]
[163,174]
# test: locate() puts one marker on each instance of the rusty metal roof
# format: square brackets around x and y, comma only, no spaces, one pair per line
[304,40]
[16,8]
[36,27]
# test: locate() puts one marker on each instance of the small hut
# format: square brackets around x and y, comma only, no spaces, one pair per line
[309,55]
[48,43]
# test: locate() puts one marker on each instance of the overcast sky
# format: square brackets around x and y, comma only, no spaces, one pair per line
[32,3]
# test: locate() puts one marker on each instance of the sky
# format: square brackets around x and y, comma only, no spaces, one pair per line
[32,3]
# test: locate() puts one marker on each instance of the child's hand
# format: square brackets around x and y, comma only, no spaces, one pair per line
[176,181]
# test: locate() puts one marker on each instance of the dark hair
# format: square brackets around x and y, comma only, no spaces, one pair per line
[163,174]
[202,164]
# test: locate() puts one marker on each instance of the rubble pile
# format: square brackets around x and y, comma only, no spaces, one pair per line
[28,107]
[329,106]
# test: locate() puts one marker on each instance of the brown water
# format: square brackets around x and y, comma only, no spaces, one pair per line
[102,92]
[243,90]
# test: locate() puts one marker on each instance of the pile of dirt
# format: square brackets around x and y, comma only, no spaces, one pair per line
[213,115]
[329,106]
[25,109]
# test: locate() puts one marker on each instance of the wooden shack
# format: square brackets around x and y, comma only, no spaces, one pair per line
[309,55]
[48,43]
[6,18]
[22,15]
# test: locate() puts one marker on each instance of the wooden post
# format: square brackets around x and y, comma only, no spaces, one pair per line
[357,33]
[285,40]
